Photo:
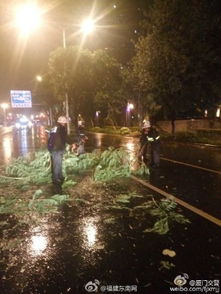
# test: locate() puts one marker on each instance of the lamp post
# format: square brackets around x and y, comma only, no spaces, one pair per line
[65,86]
[4,106]
[129,107]
[87,26]
[97,117]
[29,17]
[39,78]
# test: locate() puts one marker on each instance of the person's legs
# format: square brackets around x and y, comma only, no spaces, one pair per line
[140,154]
[146,153]
[155,156]
[80,149]
[57,176]
[143,155]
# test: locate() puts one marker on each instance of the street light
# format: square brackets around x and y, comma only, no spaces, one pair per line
[97,113]
[28,18]
[130,107]
[87,26]
[4,106]
[39,78]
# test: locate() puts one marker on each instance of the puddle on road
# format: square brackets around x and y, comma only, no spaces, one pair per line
[114,233]
[99,234]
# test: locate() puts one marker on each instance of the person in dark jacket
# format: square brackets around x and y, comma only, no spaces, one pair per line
[56,146]
[150,144]
[82,138]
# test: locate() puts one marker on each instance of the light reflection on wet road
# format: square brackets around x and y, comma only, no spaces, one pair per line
[19,142]
[197,187]
[89,231]
[38,241]
[63,252]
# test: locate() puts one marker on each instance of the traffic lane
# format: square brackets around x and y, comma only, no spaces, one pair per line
[199,155]
[61,252]
[5,144]
[20,142]
[198,188]
[177,178]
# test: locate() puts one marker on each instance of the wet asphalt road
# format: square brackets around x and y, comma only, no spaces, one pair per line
[63,252]
[198,187]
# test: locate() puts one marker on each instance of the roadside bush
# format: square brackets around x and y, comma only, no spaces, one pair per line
[124,131]
[111,130]
[132,131]
[96,129]
[135,128]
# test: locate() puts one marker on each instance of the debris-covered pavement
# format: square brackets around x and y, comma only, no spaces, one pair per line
[106,233]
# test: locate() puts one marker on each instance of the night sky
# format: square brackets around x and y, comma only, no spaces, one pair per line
[21,60]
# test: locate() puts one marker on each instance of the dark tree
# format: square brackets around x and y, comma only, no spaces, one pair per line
[179,60]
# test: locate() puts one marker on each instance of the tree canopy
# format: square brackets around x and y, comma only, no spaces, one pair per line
[178,61]
[91,79]
[175,70]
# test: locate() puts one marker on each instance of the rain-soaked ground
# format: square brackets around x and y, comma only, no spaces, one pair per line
[89,240]
[99,239]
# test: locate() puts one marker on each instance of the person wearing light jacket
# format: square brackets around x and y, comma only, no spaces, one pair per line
[150,143]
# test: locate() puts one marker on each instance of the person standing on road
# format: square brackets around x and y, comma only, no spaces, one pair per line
[143,152]
[82,138]
[150,144]
[56,145]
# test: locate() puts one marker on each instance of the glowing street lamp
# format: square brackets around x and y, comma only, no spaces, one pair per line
[39,78]
[87,26]
[97,114]
[28,18]
[4,106]
[130,107]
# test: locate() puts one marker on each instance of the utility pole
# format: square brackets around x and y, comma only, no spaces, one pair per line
[65,86]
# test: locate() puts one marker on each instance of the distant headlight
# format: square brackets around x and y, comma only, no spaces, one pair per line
[18,125]
[23,120]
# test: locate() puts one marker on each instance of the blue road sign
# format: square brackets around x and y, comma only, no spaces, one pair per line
[21,99]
